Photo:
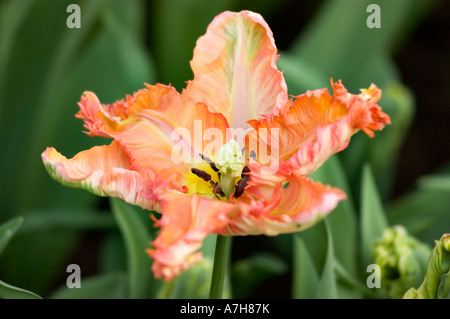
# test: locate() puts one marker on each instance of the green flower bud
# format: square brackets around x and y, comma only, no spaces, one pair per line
[402,260]
[436,284]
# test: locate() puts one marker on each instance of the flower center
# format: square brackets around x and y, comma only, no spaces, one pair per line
[231,159]
[221,178]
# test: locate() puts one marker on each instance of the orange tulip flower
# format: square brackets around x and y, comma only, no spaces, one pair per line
[248,183]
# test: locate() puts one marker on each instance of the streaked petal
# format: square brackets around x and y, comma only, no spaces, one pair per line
[93,113]
[281,203]
[102,170]
[317,125]
[186,221]
[146,130]
[235,70]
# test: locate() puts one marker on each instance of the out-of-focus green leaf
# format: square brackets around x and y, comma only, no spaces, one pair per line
[7,231]
[305,278]
[10,292]
[423,212]
[341,25]
[137,237]
[249,272]
[315,239]
[113,255]
[176,27]
[46,113]
[191,284]
[47,83]
[342,221]
[435,183]
[300,76]
[107,286]
[12,14]
[327,287]
[373,220]
[44,255]
[73,220]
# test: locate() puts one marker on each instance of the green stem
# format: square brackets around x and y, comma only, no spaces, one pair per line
[221,262]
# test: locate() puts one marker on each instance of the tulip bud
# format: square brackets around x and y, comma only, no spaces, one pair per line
[436,284]
[402,260]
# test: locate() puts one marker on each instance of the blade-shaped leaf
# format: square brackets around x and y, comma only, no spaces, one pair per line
[137,236]
[68,219]
[327,288]
[108,286]
[435,182]
[7,230]
[300,76]
[373,220]
[423,212]
[342,221]
[305,278]
[10,292]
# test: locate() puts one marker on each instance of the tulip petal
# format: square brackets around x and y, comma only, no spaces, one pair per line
[161,130]
[186,222]
[281,203]
[235,70]
[102,170]
[317,125]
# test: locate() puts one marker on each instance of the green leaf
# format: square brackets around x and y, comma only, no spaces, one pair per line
[12,14]
[7,231]
[113,255]
[137,236]
[373,220]
[10,292]
[58,64]
[423,212]
[300,76]
[176,26]
[194,283]
[342,220]
[435,182]
[305,277]
[327,287]
[341,24]
[68,219]
[107,286]
[249,272]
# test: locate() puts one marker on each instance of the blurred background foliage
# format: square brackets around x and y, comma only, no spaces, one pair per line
[45,67]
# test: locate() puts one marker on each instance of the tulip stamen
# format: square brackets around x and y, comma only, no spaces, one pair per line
[202,174]
[240,186]
[211,163]
[217,189]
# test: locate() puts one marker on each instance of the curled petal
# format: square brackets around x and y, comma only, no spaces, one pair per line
[281,203]
[93,113]
[235,70]
[102,170]
[161,130]
[185,223]
[317,125]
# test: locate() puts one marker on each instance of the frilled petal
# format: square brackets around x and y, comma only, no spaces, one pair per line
[317,125]
[93,113]
[235,70]
[281,203]
[161,130]
[102,170]
[185,223]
